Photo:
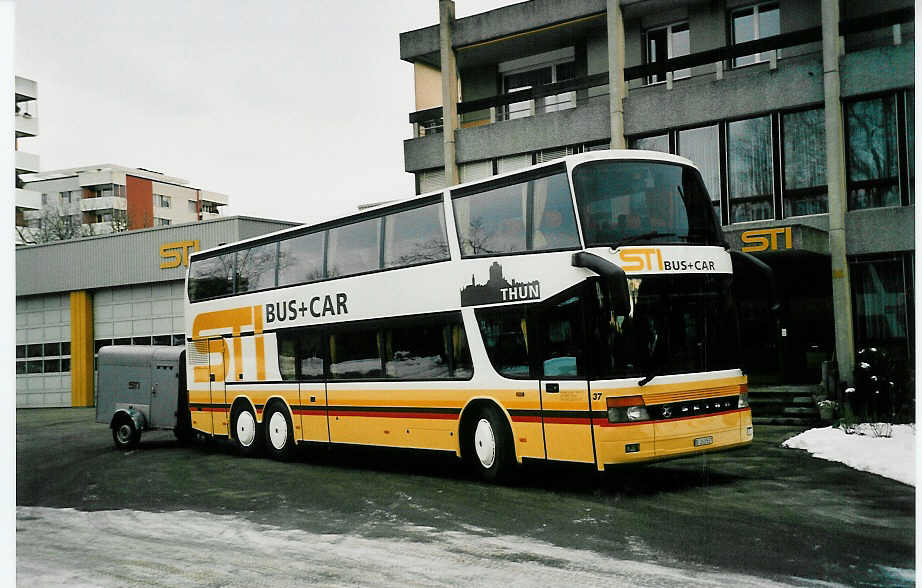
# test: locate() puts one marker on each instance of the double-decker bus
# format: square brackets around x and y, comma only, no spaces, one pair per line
[579,310]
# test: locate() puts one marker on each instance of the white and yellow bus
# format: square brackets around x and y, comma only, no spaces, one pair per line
[579,310]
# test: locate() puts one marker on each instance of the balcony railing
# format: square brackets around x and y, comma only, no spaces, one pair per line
[516,104]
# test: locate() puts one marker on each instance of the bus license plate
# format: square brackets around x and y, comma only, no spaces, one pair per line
[701,441]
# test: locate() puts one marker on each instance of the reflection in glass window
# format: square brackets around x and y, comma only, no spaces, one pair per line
[749,155]
[702,146]
[505,335]
[911,140]
[665,43]
[804,163]
[255,268]
[879,295]
[301,354]
[354,248]
[873,157]
[755,22]
[415,236]
[655,143]
[355,354]
[418,352]
[210,277]
[301,259]
[498,221]
[562,339]
[623,201]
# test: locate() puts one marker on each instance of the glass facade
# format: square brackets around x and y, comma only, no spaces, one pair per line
[804,162]
[873,153]
[749,163]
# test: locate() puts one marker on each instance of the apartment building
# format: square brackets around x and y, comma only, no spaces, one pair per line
[26,126]
[105,198]
[809,166]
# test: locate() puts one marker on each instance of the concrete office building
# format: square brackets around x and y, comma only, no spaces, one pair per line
[73,297]
[26,126]
[108,198]
[799,114]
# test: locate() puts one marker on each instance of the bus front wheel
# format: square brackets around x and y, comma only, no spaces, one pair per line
[491,450]
[246,431]
[280,438]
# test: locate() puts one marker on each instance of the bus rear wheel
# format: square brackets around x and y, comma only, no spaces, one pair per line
[491,451]
[246,431]
[280,438]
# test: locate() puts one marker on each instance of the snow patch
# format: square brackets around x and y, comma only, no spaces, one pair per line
[892,457]
[133,548]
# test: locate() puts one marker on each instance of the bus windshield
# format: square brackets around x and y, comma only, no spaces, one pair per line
[627,201]
[677,324]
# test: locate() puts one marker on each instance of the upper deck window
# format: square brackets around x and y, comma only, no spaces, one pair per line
[353,249]
[211,277]
[622,201]
[531,215]
[415,236]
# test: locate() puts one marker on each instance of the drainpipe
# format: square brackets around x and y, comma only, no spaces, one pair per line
[449,89]
[616,87]
[835,177]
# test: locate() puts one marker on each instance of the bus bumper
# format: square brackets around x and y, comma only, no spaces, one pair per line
[653,441]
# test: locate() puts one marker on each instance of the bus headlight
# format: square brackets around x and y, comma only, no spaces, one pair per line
[626,409]
[744,397]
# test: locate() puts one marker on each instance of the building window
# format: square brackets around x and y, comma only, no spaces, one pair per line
[873,153]
[161,222]
[192,206]
[161,201]
[752,23]
[655,143]
[534,71]
[45,358]
[665,43]
[804,162]
[882,309]
[749,158]
[702,145]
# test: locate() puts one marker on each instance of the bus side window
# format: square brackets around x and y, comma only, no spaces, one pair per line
[211,277]
[301,259]
[254,268]
[287,342]
[562,339]
[415,236]
[505,335]
[416,352]
[355,353]
[354,248]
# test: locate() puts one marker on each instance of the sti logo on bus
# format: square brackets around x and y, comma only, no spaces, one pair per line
[317,307]
[650,259]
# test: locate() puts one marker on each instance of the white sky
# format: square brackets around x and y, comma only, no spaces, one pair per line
[295,109]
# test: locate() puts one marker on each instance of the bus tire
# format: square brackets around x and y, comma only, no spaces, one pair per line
[491,450]
[125,433]
[280,439]
[246,431]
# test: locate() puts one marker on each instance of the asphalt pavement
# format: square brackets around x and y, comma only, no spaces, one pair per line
[763,514]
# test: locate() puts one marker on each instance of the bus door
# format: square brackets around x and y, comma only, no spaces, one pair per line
[565,407]
[311,350]
[218,368]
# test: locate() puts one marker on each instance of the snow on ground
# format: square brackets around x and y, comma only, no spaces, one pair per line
[892,457]
[133,548]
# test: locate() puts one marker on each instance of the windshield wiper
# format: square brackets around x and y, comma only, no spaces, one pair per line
[641,237]
[654,371]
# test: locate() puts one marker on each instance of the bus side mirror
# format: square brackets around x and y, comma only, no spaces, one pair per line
[621,298]
[740,258]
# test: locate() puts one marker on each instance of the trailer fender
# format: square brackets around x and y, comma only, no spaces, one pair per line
[135,415]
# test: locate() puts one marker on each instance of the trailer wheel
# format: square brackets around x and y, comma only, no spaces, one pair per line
[247,433]
[279,433]
[124,432]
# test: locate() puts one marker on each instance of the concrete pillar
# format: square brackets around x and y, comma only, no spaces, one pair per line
[449,89]
[616,87]
[81,348]
[838,202]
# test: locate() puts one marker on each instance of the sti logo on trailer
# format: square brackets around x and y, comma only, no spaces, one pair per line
[176,254]
[765,239]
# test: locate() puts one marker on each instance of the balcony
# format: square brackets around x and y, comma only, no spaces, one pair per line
[103,203]
[26,89]
[514,123]
[26,163]
[26,125]
[28,199]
